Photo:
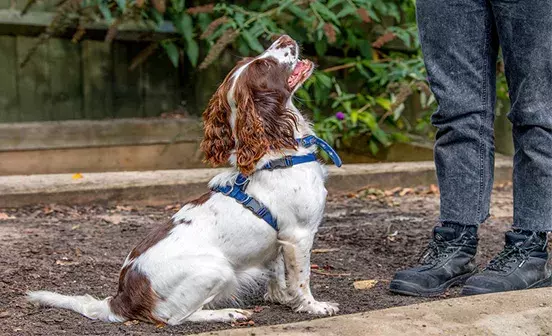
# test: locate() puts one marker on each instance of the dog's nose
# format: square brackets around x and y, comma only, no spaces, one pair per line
[282,42]
[285,39]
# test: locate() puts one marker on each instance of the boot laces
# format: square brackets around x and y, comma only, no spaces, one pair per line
[438,249]
[434,252]
[510,253]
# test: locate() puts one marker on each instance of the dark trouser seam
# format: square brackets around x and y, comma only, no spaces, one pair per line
[483,117]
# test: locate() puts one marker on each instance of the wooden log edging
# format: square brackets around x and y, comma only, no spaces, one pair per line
[172,186]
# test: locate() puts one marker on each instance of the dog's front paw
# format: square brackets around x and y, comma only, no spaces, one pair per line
[318,308]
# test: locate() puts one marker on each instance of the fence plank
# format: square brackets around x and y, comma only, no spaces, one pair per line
[161,85]
[9,103]
[127,85]
[97,80]
[65,79]
[33,81]
[5,4]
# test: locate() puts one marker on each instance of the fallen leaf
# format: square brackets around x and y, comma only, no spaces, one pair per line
[315,266]
[433,189]
[249,323]
[124,208]
[77,176]
[78,252]
[326,250]
[74,227]
[4,216]
[113,219]
[66,262]
[258,309]
[406,191]
[160,326]
[131,323]
[365,284]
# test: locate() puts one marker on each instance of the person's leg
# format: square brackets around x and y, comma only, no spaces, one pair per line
[459,44]
[525,30]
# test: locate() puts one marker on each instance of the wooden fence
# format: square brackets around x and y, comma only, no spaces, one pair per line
[91,79]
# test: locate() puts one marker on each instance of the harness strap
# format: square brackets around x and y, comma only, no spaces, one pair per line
[310,140]
[237,193]
[237,190]
[289,161]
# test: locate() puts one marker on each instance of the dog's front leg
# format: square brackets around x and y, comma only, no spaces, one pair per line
[297,252]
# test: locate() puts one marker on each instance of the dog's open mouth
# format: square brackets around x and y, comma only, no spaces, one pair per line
[301,72]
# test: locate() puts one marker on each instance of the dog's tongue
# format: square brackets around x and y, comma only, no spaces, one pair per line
[296,74]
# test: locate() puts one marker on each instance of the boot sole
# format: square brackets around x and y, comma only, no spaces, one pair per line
[470,290]
[408,288]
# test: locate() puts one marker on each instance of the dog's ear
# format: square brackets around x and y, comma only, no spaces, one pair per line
[263,122]
[218,141]
[250,132]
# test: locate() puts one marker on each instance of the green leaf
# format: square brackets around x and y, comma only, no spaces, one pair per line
[384,102]
[252,42]
[178,5]
[365,49]
[324,79]
[192,50]
[333,3]
[300,13]
[121,4]
[157,17]
[324,11]
[185,27]
[374,148]
[240,19]
[381,136]
[172,51]
[104,9]
[368,119]
[284,5]
[347,10]
[243,49]
[354,118]
[321,46]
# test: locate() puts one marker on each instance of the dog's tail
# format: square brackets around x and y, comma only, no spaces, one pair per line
[84,304]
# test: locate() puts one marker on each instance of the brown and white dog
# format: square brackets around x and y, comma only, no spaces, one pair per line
[214,249]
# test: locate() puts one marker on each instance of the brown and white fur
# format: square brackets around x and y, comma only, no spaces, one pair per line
[213,249]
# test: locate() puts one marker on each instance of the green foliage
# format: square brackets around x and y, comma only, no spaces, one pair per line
[368,52]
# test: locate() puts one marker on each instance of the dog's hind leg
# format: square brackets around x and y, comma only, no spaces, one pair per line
[277,288]
[220,315]
[187,299]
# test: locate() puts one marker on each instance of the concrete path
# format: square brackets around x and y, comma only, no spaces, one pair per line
[166,186]
[514,313]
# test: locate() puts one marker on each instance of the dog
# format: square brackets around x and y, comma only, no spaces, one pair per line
[215,249]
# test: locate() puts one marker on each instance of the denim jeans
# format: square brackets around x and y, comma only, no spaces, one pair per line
[460,41]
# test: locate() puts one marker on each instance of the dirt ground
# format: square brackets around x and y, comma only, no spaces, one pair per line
[77,250]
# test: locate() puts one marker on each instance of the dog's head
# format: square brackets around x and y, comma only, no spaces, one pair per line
[251,113]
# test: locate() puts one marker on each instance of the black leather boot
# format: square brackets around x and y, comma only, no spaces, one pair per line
[447,261]
[522,264]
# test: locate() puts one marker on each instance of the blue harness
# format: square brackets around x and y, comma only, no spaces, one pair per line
[237,190]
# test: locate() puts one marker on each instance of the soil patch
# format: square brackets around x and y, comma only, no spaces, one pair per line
[80,249]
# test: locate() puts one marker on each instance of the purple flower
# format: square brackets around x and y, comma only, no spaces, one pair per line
[340,115]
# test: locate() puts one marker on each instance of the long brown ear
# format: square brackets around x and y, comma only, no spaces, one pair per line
[263,122]
[252,140]
[218,141]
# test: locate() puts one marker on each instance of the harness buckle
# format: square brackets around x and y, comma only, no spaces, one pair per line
[286,161]
[241,184]
[228,192]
